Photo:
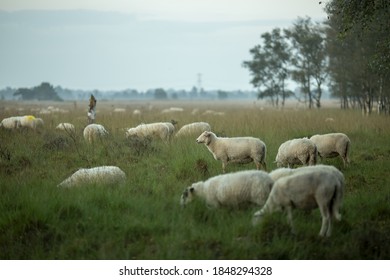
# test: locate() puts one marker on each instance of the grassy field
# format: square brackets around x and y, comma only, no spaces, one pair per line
[143,219]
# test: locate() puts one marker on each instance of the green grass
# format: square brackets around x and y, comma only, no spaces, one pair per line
[143,219]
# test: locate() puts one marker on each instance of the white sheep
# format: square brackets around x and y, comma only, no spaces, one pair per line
[318,188]
[94,131]
[281,172]
[232,189]
[11,122]
[192,129]
[285,171]
[333,145]
[28,121]
[296,151]
[159,130]
[31,122]
[235,149]
[68,127]
[171,128]
[102,175]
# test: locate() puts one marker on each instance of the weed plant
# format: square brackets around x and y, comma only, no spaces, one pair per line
[143,219]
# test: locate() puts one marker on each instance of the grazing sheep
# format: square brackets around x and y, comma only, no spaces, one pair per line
[137,112]
[68,127]
[296,151]
[22,121]
[284,171]
[194,128]
[332,145]
[157,130]
[318,188]
[119,110]
[172,110]
[281,172]
[102,175]
[235,149]
[94,131]
[171,128]
[231,189]
[10,122]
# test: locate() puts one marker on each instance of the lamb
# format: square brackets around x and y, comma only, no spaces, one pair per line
[318,188]
[296,151]
[102,175]
[157,130]
[68,127]
[332,145]
[232,189]
[93,131]
[235,149]
[194,128]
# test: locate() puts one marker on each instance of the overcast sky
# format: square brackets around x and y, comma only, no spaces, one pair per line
[138,44]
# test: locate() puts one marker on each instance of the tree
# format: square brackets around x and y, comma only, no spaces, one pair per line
[44,91]
[308,58]
[269,67]
[222,94]
[160,94]
[361,27]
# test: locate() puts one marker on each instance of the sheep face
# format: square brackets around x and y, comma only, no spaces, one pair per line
[205,138]
[187,196]
[131,132]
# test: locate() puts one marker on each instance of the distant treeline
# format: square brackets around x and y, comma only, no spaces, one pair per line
[46,91]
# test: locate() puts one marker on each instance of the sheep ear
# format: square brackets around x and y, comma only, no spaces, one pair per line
[192,189]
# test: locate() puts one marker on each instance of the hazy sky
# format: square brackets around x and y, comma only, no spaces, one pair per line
[139,44]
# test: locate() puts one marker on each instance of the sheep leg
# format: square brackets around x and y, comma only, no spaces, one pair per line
[224,166]
[261,165]
[326,221]
[289,218]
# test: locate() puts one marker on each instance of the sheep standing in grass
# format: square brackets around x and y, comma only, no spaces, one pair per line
[10,122]
[68,127]
[92,132]
[281,172]
[102,175]
[31,122]
[158,130]
[232,189]
[235,149]
[194,128]
[284,171]
[22,121]
[316,188]
[171,128]
[296,151]
[332,145]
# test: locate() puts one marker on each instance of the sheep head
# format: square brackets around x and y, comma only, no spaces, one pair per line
[187,196]
[205,138]
[257,217]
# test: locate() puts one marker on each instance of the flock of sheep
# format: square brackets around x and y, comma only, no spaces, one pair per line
[308,187]
[28,121]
